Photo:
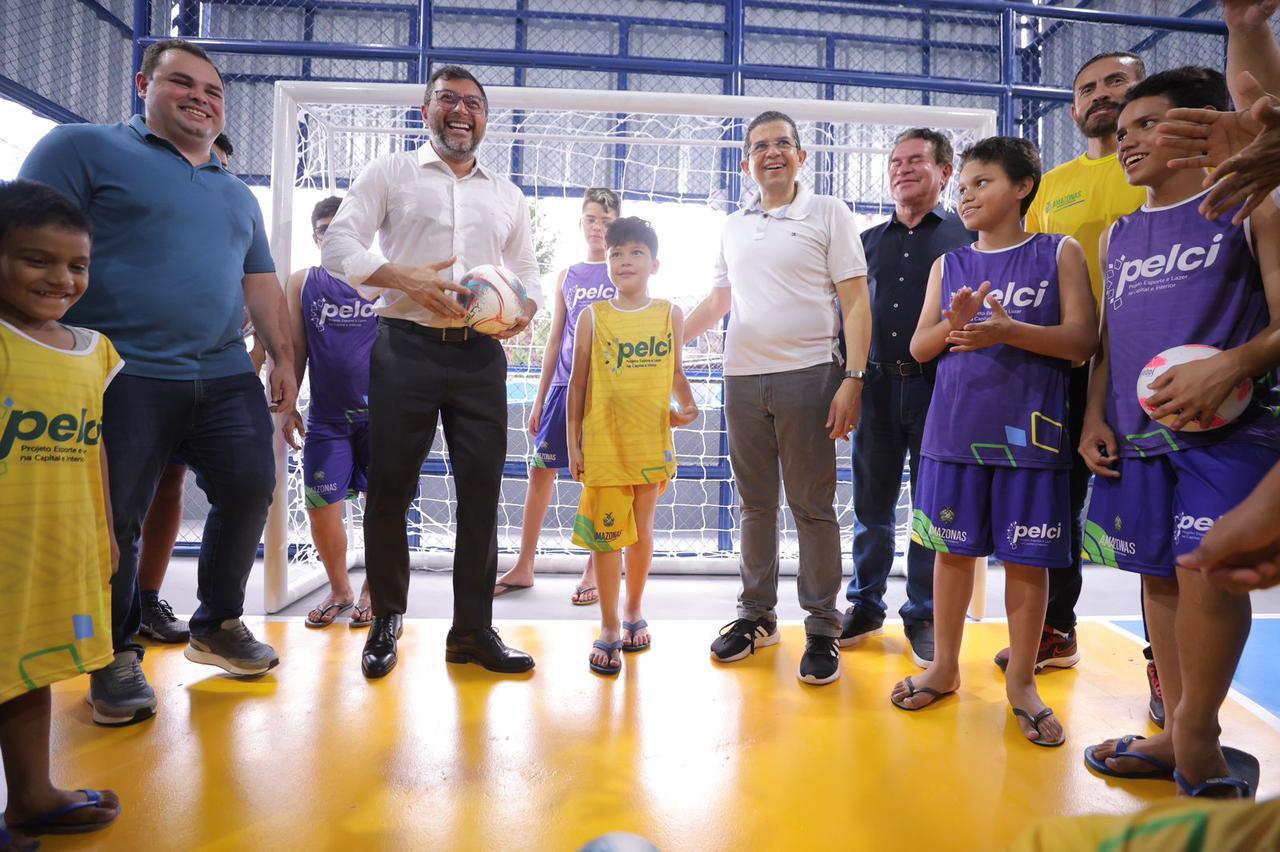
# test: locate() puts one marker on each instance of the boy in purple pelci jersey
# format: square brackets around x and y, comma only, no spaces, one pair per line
[1172,278]
[577,288]
[1008,315]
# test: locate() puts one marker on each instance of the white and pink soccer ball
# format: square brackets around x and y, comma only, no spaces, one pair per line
[496,301]
[1232,407]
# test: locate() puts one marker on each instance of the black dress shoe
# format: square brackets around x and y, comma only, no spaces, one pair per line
[379,656]
[485,648]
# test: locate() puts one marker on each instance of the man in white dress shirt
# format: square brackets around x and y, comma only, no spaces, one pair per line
[437,213]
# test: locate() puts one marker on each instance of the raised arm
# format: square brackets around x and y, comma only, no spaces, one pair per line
[1073,339]
[345,251]
[1251,45]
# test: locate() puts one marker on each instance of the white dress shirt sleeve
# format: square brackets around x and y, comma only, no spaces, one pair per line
[345,249]
[518,254]
[845,256]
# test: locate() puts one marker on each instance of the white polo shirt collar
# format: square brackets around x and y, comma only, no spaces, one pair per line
[797,209]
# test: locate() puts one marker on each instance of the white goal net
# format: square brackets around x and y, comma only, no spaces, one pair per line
[674,158]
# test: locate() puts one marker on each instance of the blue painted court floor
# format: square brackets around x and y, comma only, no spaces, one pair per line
[1258,677]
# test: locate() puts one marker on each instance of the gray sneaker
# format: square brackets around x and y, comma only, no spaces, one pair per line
[160,624]
[232,647]
[120,694]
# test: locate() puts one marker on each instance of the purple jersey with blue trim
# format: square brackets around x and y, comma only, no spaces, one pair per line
[584,284]
[1174,277]
[340,328]
[1002,405]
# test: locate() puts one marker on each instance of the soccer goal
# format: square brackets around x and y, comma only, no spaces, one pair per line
[677,157]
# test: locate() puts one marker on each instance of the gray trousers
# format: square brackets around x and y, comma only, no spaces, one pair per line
[776,432]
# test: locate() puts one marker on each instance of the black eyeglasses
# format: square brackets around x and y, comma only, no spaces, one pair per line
[450,100]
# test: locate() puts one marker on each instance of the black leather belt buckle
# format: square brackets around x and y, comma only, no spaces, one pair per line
[901,369]
[451,335]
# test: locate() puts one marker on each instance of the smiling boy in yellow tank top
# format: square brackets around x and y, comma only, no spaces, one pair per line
[626,365]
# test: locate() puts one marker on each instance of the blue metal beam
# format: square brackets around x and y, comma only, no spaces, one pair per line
[37,103]
[106,15]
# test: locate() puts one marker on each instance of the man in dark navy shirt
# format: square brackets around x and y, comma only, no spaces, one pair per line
[895,398]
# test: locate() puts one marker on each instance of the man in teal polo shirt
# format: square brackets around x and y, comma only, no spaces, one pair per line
[179,252]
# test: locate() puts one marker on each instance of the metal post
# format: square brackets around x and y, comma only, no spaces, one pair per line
[141,29]
[1008,69]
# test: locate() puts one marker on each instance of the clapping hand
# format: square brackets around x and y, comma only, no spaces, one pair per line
[965,305]
[980,335]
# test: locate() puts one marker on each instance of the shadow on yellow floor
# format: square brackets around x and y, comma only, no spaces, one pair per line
[690,754]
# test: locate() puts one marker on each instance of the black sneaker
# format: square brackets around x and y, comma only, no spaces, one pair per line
[920,635]
[119,694]
[160,624]
[740,639]
[860,621]
[1155,704]
[821,661]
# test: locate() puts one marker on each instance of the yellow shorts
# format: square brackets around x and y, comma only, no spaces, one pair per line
[606,519]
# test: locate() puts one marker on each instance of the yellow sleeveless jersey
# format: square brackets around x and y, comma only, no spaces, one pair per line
[55,554]
[626,431]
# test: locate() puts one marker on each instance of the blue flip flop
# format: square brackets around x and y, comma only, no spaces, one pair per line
[608,648]
[1213,785]
[631,627]
[1161,771]
[49,824]
[7,840]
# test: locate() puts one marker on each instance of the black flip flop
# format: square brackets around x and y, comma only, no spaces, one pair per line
[631,627]
[609,648]
[917,690]
[321,623]
[1035,723]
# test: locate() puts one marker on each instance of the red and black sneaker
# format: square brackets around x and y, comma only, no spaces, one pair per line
[1058,650]
[1155,705]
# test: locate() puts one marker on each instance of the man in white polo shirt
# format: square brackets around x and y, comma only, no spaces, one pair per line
[785,259]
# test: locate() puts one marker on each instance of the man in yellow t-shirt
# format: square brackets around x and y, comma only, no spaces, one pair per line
[1081,198]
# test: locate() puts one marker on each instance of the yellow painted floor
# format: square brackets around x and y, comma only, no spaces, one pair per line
[688,753]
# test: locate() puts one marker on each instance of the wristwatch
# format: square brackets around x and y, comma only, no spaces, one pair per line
[855,374]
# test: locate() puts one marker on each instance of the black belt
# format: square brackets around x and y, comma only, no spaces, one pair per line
[901,369]
[447,335]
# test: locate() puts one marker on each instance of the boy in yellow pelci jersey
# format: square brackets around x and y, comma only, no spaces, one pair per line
[626,364]
[56,551]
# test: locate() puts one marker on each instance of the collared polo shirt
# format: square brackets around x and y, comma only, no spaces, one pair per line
[422,213]
[781,267]
[898,263]
[172,243]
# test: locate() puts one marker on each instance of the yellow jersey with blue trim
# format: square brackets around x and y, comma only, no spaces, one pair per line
[626,429]
[55,550]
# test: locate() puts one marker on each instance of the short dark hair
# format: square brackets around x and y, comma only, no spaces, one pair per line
[326,208]
[767,117]
[1189,86]
[1019,158]
[155,52]
[1112,54]
[632,229]
[29,204]
[605,197]
[942,150]
[453,72]
[224,145]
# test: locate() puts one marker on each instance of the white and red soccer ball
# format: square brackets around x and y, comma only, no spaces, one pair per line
[496,300]
[1232,407]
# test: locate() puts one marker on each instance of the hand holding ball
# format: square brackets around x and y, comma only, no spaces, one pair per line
[496,299]
[1231,408]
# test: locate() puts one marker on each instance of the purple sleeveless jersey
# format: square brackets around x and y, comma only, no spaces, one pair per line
[585,283]
[1003,406]
[340,329]
[1173,277]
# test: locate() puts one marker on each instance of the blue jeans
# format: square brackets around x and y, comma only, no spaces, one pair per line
[222,429]
[892,425]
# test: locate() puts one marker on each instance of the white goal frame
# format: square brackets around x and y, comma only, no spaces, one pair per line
[280,587]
